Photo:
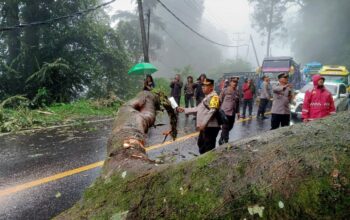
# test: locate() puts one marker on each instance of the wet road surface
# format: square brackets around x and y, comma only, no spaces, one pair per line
[31,156]
[34,155]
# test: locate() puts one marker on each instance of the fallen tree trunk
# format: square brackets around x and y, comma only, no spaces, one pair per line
[126,145]
[297,172]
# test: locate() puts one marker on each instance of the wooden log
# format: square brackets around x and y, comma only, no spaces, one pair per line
[126,145]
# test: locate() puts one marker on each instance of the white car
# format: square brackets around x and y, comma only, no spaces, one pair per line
[338,90]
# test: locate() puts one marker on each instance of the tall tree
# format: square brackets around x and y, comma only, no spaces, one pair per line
[70,56]
[322,32]
[31,13]
[10,47]
[11,18]
[268,18]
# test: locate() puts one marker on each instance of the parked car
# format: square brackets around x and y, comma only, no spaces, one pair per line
[338,90]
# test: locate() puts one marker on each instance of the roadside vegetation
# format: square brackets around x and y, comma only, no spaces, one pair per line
[16,114]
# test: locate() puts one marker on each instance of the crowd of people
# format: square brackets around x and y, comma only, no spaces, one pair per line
[218,111]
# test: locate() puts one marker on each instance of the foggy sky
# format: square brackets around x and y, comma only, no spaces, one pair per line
[223,19]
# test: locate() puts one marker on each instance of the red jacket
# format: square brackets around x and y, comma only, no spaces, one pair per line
[247,92]
[318,103]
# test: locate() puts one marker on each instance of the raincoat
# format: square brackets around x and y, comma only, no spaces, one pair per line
[318,102]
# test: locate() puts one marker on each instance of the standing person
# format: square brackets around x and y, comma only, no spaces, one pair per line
[282,96]
[265,97]
[248,96]
[229,99]
[176,86]
[318,102]
[189,92]
[199,95]
[207,125]
[148,83]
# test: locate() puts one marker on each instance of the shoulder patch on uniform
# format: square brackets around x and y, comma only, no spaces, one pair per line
[214,102]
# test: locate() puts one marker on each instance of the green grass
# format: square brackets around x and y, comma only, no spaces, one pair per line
[23,118]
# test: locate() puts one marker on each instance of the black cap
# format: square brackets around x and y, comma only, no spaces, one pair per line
[283,75]
[208,82]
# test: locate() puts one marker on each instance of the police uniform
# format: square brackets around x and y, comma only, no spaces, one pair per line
[280,106]
[205,117]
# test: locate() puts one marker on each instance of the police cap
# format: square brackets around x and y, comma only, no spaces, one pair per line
[208,82]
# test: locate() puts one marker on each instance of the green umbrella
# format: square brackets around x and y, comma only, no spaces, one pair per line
[142,68]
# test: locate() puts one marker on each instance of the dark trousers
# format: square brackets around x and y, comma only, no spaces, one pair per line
[177,99]
[207,139]
[262,107]
[226,128]
[249,103]
[278,120]
[189,100]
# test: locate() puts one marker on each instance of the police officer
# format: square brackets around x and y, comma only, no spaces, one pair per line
[282,96]
[207,123]
[265,96]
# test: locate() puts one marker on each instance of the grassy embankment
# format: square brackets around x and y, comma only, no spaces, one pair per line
[296,172]
[19,118]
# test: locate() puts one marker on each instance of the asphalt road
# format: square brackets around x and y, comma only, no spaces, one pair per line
[28,158]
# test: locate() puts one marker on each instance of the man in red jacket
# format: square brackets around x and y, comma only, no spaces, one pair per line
[248,95]
[318,102]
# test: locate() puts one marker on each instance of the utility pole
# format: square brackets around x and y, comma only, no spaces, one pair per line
[269,28]
[256,55]
[237,40]
[148,27]
[143,31]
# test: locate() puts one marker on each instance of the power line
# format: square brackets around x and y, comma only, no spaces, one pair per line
[200,35]
[49,21]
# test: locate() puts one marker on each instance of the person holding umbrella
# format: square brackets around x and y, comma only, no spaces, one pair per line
[148,83]
[143,69]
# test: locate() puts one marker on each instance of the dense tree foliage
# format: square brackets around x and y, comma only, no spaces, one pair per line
[322,33]
[65,58]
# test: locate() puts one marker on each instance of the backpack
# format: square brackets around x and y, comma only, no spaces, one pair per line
[219,115]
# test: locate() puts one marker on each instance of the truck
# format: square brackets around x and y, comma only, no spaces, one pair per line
[273,66]
[336,73]
[311,69]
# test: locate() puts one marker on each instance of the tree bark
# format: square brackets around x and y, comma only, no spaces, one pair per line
[31,13]
[13,37]
[126,144]
[297,172]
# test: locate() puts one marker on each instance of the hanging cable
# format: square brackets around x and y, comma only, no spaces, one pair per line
[194,31]
[49,21]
